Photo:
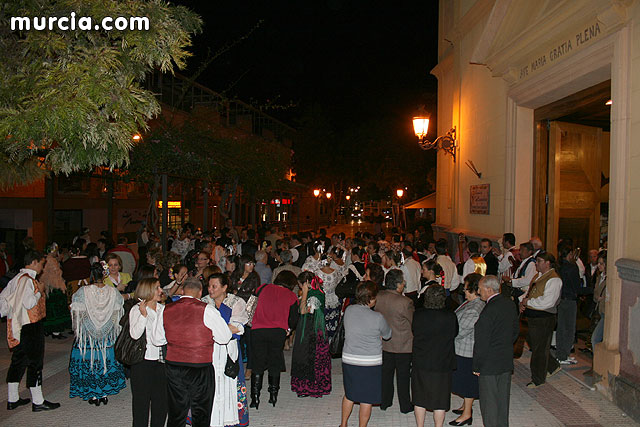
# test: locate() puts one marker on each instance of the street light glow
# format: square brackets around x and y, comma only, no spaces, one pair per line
[137,137]
[316,192]
[400,192]
[347,197]
[328,195]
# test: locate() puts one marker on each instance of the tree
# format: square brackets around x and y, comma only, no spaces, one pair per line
[72,100]
[200,149]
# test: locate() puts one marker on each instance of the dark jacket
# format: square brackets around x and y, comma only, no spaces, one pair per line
[434,333]
[495,332]
[571,281]
[492,264]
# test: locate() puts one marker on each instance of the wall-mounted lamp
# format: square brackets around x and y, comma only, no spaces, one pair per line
[445,142]
[328,195]
[316,193]
[400,193]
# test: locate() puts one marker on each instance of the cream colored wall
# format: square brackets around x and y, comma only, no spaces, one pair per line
[632,244]
[477,107]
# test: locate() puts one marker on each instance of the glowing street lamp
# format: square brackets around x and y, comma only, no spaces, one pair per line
[328,195]
[316,192]
[399,192]
[348,197]
[446,142]
[137,137]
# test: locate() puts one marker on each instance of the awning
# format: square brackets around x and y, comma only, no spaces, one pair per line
[426,202]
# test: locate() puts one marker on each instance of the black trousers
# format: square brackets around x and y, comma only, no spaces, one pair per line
[540,333]
[267,347]
[190,387]
[245,342]
[494,399]
[149,390]
[400,364]
[28,355]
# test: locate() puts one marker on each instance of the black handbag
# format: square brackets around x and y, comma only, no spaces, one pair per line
[127,350]
[231,368]
[336,343]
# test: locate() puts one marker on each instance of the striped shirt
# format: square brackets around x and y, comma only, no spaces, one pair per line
[364,331]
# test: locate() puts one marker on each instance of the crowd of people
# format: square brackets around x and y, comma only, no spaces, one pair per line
[220,308]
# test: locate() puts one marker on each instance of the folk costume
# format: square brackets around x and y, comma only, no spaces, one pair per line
[188,327]
[230,401]
[24,306]
[94,371]
[58,318]
[311,361]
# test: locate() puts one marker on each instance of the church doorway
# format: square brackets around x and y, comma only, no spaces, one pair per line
[571,169]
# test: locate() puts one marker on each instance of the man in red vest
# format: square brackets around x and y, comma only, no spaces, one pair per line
[189,327]
[23,302]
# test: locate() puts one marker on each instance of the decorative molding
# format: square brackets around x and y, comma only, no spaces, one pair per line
[491,29]
[629,269]
[474,15]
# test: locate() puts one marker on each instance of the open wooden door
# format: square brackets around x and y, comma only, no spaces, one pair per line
[577,157]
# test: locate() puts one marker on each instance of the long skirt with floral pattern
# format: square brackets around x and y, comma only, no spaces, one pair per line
[311,363]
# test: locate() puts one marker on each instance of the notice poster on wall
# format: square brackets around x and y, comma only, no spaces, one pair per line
[479,199]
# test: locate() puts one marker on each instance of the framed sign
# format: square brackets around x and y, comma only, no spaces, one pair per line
[479,199]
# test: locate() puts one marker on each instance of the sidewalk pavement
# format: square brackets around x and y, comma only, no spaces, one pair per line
[561,402]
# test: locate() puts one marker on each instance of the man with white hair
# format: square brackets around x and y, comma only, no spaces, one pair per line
[262,268]
[537,246]
[495,332]
[286,257]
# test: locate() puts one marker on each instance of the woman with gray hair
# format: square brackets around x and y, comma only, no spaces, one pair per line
[434,332]
[465,384]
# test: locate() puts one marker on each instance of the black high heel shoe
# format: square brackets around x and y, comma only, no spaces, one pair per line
[466,422]
[94,401]
[104,400]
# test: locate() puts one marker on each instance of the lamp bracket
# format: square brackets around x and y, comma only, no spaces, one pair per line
[446,142]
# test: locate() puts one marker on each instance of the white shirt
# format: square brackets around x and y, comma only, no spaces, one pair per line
[549,298]
[139,324]
[468,268]
[411,270]
[505,264]
[212,320]
[524,282]
[29,298]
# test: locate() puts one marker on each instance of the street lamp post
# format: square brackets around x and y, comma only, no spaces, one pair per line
[316,194]
[399,194]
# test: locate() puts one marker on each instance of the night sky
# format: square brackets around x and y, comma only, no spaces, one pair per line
[357,62]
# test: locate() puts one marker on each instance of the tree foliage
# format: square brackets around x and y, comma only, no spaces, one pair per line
[71,100]
[211,153]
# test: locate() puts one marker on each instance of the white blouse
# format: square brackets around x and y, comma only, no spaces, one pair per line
[139,324]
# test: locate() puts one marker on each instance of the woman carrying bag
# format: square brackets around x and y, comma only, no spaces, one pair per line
[148,377]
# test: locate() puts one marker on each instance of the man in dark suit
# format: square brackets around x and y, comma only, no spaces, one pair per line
[495,332]
[486,249]
[396,352]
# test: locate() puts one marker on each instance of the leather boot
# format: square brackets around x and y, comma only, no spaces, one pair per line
[256,387]
[274,387]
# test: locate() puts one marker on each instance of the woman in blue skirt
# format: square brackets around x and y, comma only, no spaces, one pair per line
[96,310]
[362,354]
